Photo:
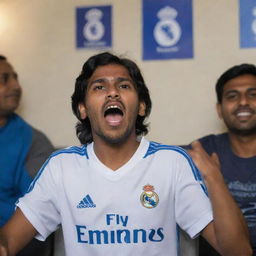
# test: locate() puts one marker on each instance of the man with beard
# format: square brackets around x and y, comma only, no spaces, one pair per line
[118,193]
[236,149]
[23,150]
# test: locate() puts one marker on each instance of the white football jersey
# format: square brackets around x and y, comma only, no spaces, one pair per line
[135,210]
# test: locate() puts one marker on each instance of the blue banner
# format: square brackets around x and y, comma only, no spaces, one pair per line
[247,23]
[167,29]
[93,27]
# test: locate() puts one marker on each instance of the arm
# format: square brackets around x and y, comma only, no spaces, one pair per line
[227,233]
[15,234]
[40,150]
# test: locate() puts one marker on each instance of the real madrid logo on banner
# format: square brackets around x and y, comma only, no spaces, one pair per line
[93,27]
[167,29]
[254,22]
[149,197]
[247,23]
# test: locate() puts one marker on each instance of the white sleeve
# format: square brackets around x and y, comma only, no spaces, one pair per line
[40,204]
[192,205]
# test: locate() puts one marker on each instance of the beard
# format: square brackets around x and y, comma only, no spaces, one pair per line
[118,139]
[248,130]
[242,132]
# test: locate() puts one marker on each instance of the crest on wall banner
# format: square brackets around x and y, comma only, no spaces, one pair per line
[247,23]
[167,29]
[93,27]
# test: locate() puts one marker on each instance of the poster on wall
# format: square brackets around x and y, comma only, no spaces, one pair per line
[93,27]
[247,23]
[167,29]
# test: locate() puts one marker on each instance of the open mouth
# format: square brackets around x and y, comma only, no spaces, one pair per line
[242,113]
[113,115]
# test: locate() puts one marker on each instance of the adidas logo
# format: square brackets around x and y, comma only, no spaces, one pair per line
[86,203]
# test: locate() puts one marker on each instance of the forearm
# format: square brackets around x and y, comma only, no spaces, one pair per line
[228,232]
[229,224]
[3,244]
[7,243]
[15,234]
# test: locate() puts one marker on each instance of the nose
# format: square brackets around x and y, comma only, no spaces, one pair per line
[13,81]
[113,93]
[244,100]
[16,84]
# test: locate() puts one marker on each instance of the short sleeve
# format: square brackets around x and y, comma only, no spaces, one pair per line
[40,204]
[41,148]
[192,205]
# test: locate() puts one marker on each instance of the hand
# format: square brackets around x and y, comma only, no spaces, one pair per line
[209,166]
[228,232]
[3,251]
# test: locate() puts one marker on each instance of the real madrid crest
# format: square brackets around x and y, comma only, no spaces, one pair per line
[149,198]
[167,31]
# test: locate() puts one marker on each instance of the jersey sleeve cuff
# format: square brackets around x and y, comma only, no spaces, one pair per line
[199,225]
[33,219]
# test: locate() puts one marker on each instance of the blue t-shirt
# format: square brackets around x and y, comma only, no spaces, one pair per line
[240,177]
[15,140]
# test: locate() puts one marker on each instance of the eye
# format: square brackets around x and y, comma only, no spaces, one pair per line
[124,86]
[98,87]
[15,76]
[231,96]
[252,94]
[5,77]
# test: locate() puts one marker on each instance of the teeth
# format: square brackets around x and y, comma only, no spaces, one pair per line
[113,106]
[244,114]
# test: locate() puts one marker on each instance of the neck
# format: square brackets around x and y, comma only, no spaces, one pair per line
[243,146]
[115,156]
[3,120]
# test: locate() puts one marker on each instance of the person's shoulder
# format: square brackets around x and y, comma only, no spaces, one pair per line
[214,142]
[39,135]
[213,138]
[71,151]
[157,147]
[40,144]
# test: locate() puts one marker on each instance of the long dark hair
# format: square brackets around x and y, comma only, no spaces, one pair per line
[83,127]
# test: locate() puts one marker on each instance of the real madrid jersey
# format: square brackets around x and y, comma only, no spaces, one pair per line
[135,210]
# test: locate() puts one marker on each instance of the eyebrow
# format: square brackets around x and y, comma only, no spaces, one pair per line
[237,91]
[118,79]
[6,75]
[230,91]
[252,89]
[9,73]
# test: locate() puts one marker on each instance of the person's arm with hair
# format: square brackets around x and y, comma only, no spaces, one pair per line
[227,233]
[15,234]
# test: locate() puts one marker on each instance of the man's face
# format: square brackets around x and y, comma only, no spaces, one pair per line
[10,90]
[238,107]
[112,104]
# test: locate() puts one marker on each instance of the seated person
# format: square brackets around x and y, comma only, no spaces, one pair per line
[236,148]
[23,150]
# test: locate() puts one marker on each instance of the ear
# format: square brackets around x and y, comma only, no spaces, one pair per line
[82,110]
[219,110]
[142,109]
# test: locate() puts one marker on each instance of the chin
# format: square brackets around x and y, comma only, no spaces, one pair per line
[116,139]
[243,131]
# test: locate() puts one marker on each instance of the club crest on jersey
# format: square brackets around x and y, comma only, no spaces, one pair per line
[149,197]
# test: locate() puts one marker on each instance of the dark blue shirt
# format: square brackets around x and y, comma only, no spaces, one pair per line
[240,177]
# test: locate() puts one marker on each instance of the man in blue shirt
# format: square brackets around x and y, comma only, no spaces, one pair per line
[23,150]
[236,149]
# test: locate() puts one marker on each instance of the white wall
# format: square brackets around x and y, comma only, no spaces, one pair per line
[38,37]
